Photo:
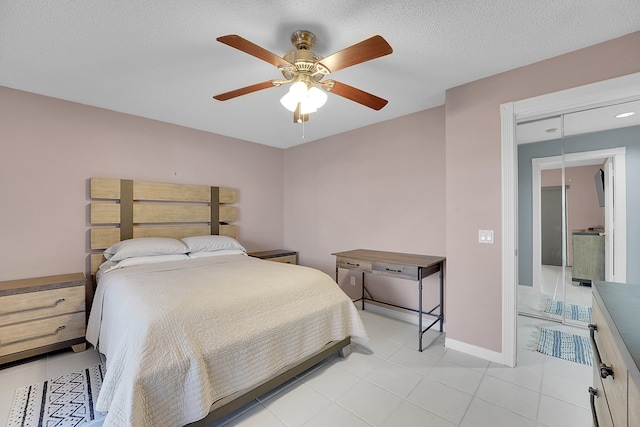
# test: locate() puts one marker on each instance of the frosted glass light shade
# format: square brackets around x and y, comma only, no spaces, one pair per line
[317,97]
[309,100]
[307,107]
[299,90]
[289,101]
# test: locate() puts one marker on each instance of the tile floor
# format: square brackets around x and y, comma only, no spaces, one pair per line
[393,385]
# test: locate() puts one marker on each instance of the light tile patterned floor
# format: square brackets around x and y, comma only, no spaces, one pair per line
[394,385]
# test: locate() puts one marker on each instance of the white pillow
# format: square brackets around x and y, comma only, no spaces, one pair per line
[195,255]
[144,246]
[130,262]
[211,243]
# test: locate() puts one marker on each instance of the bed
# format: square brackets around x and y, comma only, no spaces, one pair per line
[192,334]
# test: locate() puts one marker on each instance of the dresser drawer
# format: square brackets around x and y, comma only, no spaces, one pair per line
[396,270]
[634,403]
[354,264]
[600,405]
[37,333]
[614,386]
[35,305]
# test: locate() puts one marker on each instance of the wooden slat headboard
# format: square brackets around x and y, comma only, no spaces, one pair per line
[124,209]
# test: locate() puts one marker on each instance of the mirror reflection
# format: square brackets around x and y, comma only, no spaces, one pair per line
[575,193]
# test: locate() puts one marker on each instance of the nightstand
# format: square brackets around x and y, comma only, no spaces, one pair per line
[41,314]
[278,255]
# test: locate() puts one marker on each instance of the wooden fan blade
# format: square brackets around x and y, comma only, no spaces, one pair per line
[356,95]
[253,49]
[366,50]
[244,90]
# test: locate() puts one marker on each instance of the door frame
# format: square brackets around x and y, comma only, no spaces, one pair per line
[617,245]
[613,91]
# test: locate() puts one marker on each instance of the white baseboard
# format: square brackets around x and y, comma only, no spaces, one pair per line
[472,350]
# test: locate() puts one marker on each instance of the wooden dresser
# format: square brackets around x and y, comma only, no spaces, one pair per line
[41,314]
[588,257]
[615,395]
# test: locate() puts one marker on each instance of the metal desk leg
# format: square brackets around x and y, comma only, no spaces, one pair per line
[441,296]
[420,309]
[362,290]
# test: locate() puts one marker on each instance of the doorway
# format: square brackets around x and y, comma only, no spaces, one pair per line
[621,89]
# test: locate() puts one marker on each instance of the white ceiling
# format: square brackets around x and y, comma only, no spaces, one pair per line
[159,58]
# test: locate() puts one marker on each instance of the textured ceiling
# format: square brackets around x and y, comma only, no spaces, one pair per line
[159,58]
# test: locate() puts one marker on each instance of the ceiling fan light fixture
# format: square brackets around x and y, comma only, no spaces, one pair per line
[310,100]
[306,69]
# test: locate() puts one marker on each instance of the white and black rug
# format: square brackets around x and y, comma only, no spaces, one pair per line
[571,347]
[67,400]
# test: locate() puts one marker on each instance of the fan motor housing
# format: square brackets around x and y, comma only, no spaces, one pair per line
[304,61]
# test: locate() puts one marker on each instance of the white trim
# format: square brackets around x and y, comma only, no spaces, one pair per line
[509,235]
[480,352]
[607,92]
[621,89]
[618,229]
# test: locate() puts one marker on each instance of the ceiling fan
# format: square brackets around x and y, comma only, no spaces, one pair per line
[304,70]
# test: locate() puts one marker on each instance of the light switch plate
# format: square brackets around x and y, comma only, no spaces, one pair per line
[485,236]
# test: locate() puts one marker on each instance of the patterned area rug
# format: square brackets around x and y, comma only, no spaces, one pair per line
[580,313]
[59,402]
[574,348]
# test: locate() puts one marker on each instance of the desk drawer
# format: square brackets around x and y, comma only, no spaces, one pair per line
[396,270]
[354,264]
[36,305]
[38,333]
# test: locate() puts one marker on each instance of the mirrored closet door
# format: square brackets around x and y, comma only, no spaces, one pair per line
[572,208]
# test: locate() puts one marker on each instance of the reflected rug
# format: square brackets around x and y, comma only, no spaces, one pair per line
[574,348]
[580,313]
[59,402]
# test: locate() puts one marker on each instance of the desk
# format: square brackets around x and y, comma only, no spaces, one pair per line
[403,266]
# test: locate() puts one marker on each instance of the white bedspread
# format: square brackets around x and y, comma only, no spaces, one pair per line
[178,336]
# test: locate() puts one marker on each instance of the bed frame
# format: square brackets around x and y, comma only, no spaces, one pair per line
[123,209]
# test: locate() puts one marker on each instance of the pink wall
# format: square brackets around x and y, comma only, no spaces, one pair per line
[49,149]
[380,187]
[473,176]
